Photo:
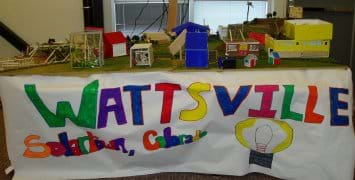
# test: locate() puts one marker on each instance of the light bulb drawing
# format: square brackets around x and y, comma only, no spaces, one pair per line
[264,138]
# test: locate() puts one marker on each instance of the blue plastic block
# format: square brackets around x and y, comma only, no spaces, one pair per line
[196,58]
[196,40]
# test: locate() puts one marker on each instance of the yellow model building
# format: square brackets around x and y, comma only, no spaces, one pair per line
[307,38]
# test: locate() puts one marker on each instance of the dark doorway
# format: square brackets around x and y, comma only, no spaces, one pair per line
[93,13]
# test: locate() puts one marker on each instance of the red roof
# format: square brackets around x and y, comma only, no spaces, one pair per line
[114,37]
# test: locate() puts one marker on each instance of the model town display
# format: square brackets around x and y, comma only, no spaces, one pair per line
[265,41]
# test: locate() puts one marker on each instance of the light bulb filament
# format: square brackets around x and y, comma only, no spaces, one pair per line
[263,136]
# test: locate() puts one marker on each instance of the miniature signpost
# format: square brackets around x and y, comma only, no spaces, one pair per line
[86,49]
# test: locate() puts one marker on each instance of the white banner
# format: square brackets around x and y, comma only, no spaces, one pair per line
[292,124]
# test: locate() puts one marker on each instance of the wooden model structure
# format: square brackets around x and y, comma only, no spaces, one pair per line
[239,46]
[86,49]
[40,54]
[178,44]
[141,55]
[172,14]
[305,38]
[159,37]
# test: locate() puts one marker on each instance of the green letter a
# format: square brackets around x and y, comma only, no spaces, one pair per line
[87,111]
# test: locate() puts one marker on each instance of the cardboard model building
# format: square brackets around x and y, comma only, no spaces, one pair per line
[141,55]
[190,27]
[250,60]
[115,44]
[295,12]
[196,50]
[305,38]
[196,44]
[86,49]
[239,46]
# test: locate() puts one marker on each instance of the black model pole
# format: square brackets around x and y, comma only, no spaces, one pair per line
[352,56]
[248,13]
[13,38]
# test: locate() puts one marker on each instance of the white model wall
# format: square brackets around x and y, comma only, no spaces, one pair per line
[38,20]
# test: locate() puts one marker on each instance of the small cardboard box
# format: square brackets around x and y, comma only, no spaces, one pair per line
[295,12]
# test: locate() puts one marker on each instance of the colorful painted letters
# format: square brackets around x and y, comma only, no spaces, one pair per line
[168,97]
[335,105]
[111,101]
[87,111]
[168,140]
[74,147]
[229,107]
[201,109]
[117,108]
[286,105]
[96,116]
[266,101]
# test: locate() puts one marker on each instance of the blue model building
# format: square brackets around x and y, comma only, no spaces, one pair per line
[190,27]
[196,44]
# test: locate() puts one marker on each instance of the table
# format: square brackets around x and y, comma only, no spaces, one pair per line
[114,121]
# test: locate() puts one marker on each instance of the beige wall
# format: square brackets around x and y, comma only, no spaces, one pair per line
[6,49]
[109,15]
[352,56]
[280,6]
[38,20]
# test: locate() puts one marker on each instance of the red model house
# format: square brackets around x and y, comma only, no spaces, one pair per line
[115,44]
